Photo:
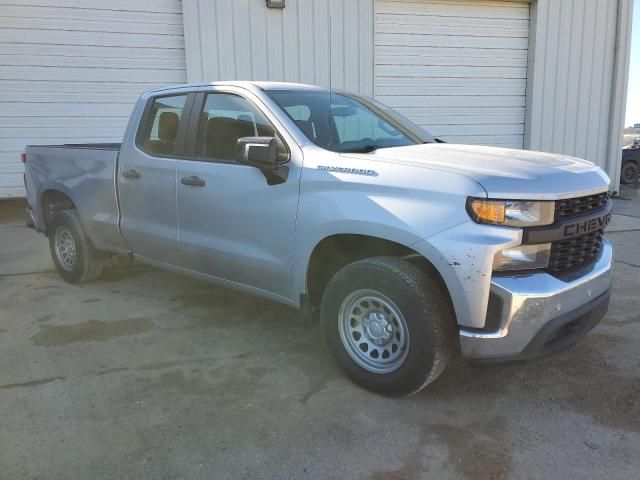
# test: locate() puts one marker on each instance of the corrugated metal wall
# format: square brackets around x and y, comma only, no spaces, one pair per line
[71,71]
[244,40]
[455,67]
[576,89]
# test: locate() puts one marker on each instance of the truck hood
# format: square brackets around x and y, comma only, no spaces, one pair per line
[503,172]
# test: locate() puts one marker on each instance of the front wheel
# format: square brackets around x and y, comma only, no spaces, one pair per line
[629,173]
[387,325]
[73,255]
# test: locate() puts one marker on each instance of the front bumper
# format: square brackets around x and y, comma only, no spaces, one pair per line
[535,315]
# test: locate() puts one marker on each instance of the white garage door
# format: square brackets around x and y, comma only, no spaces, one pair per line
[71,70]
[456,67]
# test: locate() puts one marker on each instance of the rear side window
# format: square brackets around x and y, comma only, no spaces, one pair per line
[159,129]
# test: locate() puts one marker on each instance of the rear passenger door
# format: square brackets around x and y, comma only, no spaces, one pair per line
[233,224]
[147,178]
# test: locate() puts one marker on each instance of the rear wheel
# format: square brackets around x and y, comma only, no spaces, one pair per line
[73,255]
[629,173]
[387,325]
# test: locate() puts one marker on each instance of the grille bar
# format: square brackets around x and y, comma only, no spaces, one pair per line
[575,207]
[574,253]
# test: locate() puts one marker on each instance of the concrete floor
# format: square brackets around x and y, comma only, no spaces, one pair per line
[147,374]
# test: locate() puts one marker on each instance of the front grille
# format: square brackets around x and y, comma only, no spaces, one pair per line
[573,253]
[574,207]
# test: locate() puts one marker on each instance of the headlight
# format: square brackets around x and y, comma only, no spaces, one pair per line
[524,257]
[510,213]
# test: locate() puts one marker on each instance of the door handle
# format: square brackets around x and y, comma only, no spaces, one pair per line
[192,181]
[131,173]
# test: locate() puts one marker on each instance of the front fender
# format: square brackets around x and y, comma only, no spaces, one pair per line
[401,204]
[463,255]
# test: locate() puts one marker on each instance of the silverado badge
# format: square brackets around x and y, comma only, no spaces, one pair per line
[352,171]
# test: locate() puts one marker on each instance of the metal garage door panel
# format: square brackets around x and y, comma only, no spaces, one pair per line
[72,70]
[456,67]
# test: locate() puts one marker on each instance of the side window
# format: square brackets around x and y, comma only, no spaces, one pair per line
[226,118]
[160,128]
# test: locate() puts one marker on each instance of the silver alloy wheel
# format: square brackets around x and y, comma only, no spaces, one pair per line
[65,247]
[373,331]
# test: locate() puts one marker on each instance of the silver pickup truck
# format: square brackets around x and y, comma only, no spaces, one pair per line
[408,249]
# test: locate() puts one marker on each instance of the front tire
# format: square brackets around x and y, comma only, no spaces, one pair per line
[387,325]
[73,255]
[629,173]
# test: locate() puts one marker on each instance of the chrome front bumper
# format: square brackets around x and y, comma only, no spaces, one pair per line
[538,314]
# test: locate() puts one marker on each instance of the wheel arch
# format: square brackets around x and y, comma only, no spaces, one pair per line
[337,250]
[53,199]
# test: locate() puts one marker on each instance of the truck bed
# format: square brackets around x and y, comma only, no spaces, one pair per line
[85,173]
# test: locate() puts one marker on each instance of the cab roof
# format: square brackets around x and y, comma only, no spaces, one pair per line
[264,86]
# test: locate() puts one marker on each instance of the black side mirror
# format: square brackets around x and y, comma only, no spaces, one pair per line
[259,152]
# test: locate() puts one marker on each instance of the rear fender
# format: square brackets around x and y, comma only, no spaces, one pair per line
[40,208]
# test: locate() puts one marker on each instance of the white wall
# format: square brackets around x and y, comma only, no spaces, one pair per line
[244,40]
[71,70]
[579,57]
[457,68]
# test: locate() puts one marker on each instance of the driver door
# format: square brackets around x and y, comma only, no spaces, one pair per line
[233,225]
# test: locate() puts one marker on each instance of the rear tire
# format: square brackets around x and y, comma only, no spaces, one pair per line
[76,260]
[388,325]
[629,173]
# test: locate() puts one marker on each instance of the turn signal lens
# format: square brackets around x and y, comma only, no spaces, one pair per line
[488,211]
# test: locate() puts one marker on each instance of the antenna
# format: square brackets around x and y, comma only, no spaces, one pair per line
[330,80]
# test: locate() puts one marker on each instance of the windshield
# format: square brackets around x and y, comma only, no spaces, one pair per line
[343,122]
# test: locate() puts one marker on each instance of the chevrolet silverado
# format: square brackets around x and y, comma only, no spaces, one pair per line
[407,249]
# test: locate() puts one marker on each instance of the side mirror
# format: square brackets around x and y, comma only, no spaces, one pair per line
[259,152]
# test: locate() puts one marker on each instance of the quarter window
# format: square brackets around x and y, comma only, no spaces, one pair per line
[160,129]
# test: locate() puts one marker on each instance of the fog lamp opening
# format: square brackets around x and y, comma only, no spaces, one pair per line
[524,257]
